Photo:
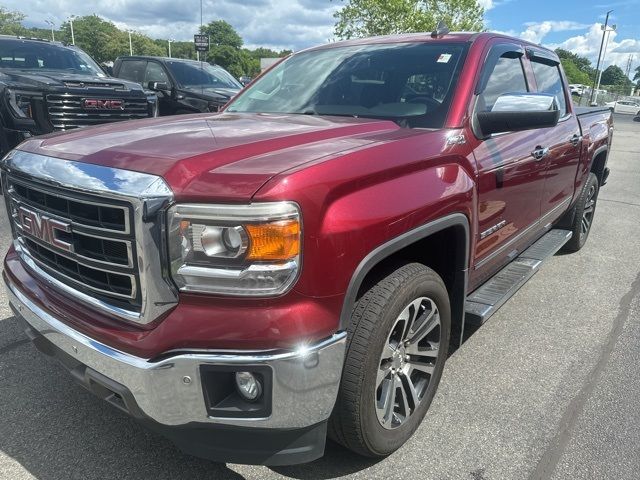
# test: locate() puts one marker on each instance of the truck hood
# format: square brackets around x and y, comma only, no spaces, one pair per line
[44,80]
[205,157]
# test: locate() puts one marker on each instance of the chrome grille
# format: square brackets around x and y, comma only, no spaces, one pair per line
[101,257]
[86,212]
[96,234]
[66,111]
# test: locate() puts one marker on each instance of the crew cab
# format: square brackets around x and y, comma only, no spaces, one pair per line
[49,86]
[297,265]
[183,86]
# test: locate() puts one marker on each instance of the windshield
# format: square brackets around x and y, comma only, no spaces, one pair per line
[410,83]
[32,55]
[202,75]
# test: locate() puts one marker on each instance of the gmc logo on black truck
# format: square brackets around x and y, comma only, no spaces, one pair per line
[102,104]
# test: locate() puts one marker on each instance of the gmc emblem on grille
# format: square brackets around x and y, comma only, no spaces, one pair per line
[102,104]
[44,228]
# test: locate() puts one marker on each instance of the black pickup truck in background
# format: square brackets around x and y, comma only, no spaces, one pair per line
[48,86]
[183,86]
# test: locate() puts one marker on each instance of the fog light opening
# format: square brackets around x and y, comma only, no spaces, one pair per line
[248,386]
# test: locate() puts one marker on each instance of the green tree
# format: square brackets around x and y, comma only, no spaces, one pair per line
[583,64]
[105,42]
[362,18]
[222,33]
[578,69]
[613,75]
[11,22]
[574,74]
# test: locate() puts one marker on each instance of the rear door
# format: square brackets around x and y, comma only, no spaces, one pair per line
[510,180]
[564,141]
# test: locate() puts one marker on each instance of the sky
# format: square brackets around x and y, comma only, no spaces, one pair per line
[295,24]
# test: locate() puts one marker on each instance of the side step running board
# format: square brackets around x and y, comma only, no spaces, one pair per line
[486,300]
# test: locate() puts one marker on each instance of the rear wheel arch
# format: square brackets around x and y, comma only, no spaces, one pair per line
[599,162]
[416,245]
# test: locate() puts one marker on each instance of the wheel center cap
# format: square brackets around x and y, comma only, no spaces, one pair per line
[398,358]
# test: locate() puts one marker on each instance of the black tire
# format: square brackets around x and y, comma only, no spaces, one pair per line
[583,214]
[354,422]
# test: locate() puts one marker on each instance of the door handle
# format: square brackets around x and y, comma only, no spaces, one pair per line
[575,140]
[539,153]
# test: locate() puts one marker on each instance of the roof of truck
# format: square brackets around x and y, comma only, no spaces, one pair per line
[451,37]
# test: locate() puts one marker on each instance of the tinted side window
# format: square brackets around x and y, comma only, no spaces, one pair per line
[132,70]
[507,77]
[549,81]
[155,73]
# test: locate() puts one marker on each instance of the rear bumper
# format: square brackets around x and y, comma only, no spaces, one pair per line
[173,394]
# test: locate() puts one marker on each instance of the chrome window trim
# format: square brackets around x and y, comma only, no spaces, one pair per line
[149,196]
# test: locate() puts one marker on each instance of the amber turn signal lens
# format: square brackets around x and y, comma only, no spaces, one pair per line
[274,241]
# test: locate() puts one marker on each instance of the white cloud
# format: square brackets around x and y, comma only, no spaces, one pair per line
[588,45]
[486,4]
[536,31]
[278,24]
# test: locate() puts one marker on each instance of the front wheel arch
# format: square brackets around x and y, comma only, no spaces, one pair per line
[416,245]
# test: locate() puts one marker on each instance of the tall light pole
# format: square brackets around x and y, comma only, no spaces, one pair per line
[130,44]
[604,32]
[170,40]
[604,54]
[51,24]
[71,19]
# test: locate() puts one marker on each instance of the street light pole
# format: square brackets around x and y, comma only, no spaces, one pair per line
[595,80]
[170,40]
[604,54]
[130,44]
[50,23]
[73,38]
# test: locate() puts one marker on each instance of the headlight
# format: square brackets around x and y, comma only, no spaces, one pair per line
[245,250]
[20,103]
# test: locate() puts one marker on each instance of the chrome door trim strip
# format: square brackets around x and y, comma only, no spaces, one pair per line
[522,233]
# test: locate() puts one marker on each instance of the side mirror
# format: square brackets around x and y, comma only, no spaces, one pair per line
[514,112]
[158,86]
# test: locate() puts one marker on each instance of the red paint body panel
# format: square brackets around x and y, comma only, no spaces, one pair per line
[359,184]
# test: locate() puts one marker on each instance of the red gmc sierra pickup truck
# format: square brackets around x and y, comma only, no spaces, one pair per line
[297,266]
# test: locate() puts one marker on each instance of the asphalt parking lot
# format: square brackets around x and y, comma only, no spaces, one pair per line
[548,388]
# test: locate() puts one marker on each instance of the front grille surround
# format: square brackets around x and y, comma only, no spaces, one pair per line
[66,110]
[120,270]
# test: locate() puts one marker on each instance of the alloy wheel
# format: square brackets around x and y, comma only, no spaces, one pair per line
[587,212]
[407,362]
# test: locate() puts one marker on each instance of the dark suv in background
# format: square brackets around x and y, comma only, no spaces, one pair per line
[48,86]
[183,86]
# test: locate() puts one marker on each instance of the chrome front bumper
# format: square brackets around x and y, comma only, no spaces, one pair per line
[169,391]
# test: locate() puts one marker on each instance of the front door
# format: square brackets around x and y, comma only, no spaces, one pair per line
[155,72]
[510,179]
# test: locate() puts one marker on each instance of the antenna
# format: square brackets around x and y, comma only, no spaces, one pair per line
[440,30]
